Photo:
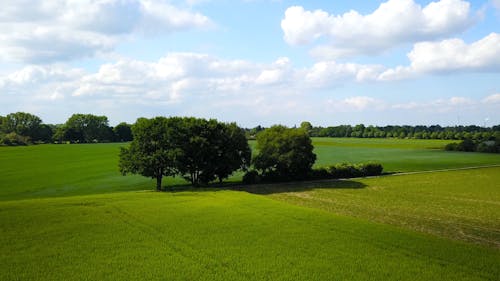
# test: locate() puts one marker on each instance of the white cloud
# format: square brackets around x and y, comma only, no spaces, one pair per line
[450,55]
[493,99]
[58,30]
[392,23]
[361,103]
[496,4]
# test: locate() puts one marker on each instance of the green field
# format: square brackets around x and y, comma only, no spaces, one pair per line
[62,170]
[67,214]
[462,205]
[398,155]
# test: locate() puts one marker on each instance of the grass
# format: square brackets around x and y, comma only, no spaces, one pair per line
[461,205]
[61,170]
[398,155]
[217,235]
[67,214]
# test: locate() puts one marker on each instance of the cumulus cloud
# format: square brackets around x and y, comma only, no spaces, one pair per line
[451,55]
[495,98]
[58,30]
[392,23]
[361,103]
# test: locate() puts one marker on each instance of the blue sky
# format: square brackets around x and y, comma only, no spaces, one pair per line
[255,61]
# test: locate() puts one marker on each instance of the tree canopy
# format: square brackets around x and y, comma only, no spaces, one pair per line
[199,150]
[284,153]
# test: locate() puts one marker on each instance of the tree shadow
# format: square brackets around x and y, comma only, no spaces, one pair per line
[300,186]
[270,188]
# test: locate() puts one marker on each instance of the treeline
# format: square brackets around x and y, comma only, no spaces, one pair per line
[468,145]
[22,128]
[202,151]
[411,132]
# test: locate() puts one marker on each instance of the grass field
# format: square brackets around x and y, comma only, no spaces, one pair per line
[62,170]
[462,205]
[217,235]
[67,214]
[398,155]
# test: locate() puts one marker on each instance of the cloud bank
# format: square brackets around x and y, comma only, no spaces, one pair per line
[393,23]
[62,30]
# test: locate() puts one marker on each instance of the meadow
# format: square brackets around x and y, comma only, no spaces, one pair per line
[63,170]
[67,214]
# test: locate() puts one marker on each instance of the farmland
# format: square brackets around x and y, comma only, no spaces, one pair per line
[62,170]
[66,213]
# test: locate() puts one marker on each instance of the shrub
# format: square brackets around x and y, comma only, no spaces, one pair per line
[451,146]
[346,170]
[13,139]
[371,169]
[251,177]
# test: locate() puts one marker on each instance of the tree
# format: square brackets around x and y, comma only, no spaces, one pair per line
[306,126]
[123,132]
[233,153]
[199,150]
[88,128]
[284,153]
[152,153]
[211,150]
[21,123]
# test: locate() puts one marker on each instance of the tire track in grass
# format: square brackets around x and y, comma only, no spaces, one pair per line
[184,250]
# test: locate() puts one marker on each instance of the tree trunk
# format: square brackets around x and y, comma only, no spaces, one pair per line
[158,183]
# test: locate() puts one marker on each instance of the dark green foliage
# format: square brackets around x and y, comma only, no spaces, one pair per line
[13,139]
[123,132]
[251,177]
[468,145]
[153,152]
[22,128]
[489,146]
[452,146]
[210,150]
[371,169]
[86,128]
[415,132]
[284,154]
[199,150]
[347,170]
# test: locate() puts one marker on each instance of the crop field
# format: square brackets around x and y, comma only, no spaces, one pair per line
[461,205]
[67,214]
[398,155]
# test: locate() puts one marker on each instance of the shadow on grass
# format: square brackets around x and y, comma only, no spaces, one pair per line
[270,188]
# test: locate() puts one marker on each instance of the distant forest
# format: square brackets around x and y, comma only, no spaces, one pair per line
[472,132]
[22,128]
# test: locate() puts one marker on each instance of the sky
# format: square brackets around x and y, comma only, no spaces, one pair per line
[254,62]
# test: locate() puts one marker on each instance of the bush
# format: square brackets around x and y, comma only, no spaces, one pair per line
[13,139]
[451,146]
[251,177]
[371,169]
[346,170]
[488,147]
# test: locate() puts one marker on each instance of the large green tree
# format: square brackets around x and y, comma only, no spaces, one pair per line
[211,150]
[123,132]
[87,128]
[199,150]
[284,153]
[22,123]
[153,152]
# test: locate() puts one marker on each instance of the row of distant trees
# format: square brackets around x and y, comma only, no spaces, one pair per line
[22,128]
[411,132]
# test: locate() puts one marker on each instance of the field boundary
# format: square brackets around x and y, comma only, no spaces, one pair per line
[309,182]
[442,170]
